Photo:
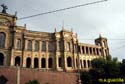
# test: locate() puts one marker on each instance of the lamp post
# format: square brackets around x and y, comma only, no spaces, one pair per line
[78,62]
[18,74]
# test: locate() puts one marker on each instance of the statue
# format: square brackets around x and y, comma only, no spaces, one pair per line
[4,8]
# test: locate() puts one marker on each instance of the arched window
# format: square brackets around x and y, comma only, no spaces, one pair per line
[2,40]
[28,62]
[90,50]
[68,46]
[94,51]
[18,44]
[83,50]
[81,63]
[87,51]
[84,63]
[17,61]
[79,51]
[29,45]
[43,65]
[50,64]
[36,63]
[50,46]
[69,62]
[60,62]
[89,63]
[36,45]
[1,59]
[97,50]
[43,46]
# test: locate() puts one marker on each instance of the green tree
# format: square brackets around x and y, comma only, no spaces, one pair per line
[122,68]
[86,78]
[32,82]
[103,68]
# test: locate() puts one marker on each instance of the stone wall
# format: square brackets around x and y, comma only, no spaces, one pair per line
[43,77]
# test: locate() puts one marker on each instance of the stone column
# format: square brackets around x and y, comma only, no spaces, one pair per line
[85,49]
[18,75]
[24,62]
[39,54]
[32,57]
[92,51]
[46,54]
[65,60]
[81,50]
[88,50]
[12,58]
[86,63]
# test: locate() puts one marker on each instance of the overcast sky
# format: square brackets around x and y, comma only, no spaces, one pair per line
[106,18]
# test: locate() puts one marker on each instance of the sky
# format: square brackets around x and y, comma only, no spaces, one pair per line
[105,18]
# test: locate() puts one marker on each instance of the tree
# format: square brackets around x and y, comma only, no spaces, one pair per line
[103,68]
[122,68]
[86,78]
[33,82]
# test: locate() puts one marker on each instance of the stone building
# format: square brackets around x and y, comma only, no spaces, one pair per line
[55,51]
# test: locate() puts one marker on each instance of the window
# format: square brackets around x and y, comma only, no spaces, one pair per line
[36,61]
[43,65]
[89,63]
[68,46]
[60,62]
[1,59]
[83,50]
[18,44]
[79,49]
[50,46]
[69,62]
[43,46]
[36,45]
[17,61]
[59,45]
[90,50]
[50,64]
[75,48]
[94,51]
[106,52]
[84,62]
[28,62]
[87,51]
[2,40]
[29,46]
[97,50]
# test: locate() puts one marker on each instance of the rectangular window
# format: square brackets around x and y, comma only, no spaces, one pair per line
[50,46]
[43,46]
[59,45]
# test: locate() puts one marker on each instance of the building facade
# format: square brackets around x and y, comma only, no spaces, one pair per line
[56,51]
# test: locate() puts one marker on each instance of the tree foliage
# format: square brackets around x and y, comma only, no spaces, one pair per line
[104,68]
[32,82]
